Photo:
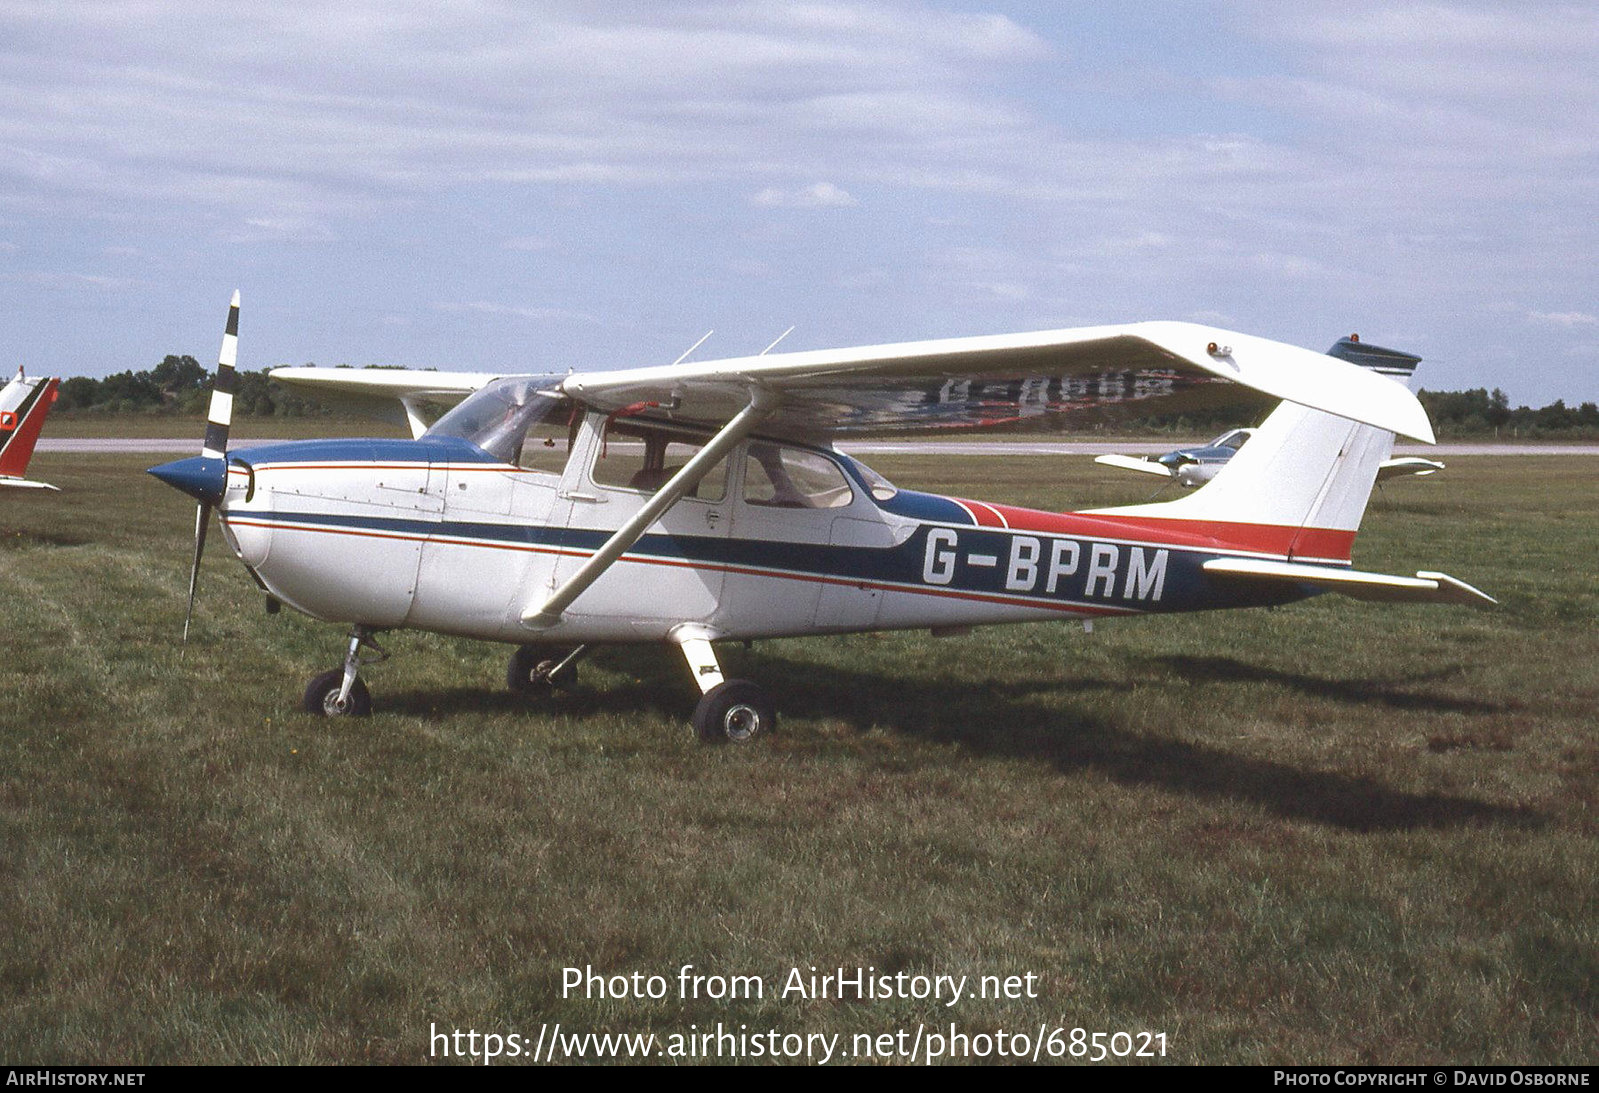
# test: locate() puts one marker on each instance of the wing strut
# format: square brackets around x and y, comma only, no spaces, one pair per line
[762,403]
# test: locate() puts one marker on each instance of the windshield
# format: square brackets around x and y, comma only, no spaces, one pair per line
[881,488]
[497,416]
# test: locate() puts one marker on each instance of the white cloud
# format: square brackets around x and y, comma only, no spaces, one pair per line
[484,307]
[818,195]
[1566,319]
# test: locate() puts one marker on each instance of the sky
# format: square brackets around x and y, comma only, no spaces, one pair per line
[497,186]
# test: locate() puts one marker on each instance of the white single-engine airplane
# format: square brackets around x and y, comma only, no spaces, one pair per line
[24,403]
[696,503]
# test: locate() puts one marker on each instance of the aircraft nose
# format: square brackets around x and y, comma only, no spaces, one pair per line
[201,477]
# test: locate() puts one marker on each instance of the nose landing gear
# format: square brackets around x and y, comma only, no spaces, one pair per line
[340,693]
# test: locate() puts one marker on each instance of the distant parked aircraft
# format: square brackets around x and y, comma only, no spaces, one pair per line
[23,406]
[1195,466]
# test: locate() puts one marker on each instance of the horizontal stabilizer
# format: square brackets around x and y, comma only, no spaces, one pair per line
[1424,587]
[1408,464]
[1134,463]
[27,484]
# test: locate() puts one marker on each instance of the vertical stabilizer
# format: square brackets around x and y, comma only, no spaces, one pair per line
[24,403]
[1304,472]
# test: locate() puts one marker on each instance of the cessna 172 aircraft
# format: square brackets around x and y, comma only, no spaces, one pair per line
[696,503]
[23,406]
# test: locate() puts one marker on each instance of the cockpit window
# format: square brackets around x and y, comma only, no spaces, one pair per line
[499,416]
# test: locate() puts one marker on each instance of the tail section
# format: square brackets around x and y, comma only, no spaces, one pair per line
[24,404]
[1305,473]
[1293,497]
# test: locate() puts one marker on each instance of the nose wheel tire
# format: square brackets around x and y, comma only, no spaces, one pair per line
[322,697]
[734,712]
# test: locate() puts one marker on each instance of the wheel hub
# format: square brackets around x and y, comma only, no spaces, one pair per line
[742,722]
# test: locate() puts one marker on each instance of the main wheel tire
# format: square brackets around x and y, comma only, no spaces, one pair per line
[322,696]
[736,711]
[528,673]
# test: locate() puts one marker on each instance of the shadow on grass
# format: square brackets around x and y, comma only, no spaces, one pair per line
[1000,719]
[992,718]
[627,679]
[1357,691]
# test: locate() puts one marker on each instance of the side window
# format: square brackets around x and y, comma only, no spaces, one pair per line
[547,446]
[636,455]
[777,476]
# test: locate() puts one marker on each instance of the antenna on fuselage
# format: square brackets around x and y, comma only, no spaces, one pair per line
[693,347]
[773,346]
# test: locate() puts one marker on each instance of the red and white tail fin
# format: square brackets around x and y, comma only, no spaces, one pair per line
[24,403]
[1305,474]
[1294,497]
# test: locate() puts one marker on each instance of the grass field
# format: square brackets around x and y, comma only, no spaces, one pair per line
[1334,832]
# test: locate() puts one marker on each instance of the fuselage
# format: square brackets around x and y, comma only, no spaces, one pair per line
[781,539]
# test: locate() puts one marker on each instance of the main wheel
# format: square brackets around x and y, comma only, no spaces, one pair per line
[531,669]
[736,711]
[322,696]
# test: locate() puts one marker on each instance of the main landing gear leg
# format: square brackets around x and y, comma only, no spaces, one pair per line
[340,693]
[733,710]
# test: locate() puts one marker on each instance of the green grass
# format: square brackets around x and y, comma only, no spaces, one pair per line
[1334,832]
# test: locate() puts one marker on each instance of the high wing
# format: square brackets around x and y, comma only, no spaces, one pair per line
[1061,379]
[386,394]
[1058,378]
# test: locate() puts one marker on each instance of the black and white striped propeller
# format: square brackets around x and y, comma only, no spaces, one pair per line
[205,477]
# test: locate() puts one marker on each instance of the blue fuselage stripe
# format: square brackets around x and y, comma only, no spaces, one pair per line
[1051,570]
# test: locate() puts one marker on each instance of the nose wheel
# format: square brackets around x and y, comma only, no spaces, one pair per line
[322,696]
[340,693]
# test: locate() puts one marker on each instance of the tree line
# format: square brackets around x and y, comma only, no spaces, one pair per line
[182,386]
[179,386]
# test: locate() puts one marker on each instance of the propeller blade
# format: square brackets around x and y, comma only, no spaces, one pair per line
[205,477]
[202,523]
[220,416]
